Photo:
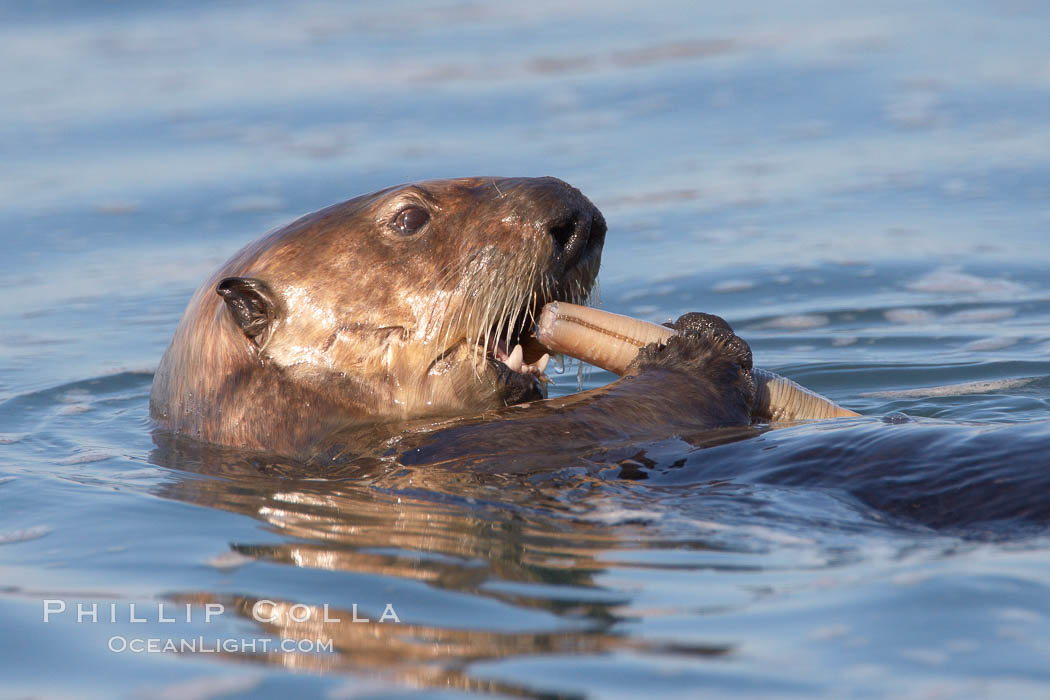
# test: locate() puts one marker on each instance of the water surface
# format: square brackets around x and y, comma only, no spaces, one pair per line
[861,192]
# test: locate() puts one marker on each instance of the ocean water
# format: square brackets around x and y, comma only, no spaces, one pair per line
[863,192]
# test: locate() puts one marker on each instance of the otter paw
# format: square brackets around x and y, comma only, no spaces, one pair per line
[516,387]
[697,323]
[705,346]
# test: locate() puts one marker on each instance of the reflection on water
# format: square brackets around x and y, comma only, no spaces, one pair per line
[465,533]
[524,546]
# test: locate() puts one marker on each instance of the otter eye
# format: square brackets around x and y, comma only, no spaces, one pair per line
[410,220]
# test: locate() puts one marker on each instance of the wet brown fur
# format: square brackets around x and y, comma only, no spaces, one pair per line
[371,327]
[700,380]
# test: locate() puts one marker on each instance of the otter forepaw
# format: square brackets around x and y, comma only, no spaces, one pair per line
[705,346]
[716,328]
[516,387]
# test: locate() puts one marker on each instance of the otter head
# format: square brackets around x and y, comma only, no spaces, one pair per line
[402,304]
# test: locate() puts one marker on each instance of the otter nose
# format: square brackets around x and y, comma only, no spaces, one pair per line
[572,222]
[571,234]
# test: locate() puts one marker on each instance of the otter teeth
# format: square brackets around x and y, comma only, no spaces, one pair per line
[537,368]
[515,359]
[541,364]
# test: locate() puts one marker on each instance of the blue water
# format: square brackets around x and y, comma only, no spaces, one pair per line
[863,192]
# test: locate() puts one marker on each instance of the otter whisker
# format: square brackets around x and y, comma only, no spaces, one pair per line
[494,296]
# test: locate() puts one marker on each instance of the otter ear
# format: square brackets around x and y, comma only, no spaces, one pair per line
[252,304]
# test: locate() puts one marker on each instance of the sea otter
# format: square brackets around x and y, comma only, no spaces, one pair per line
[418,302]
[379,336]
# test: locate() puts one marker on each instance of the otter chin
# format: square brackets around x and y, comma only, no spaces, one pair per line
[416,301]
